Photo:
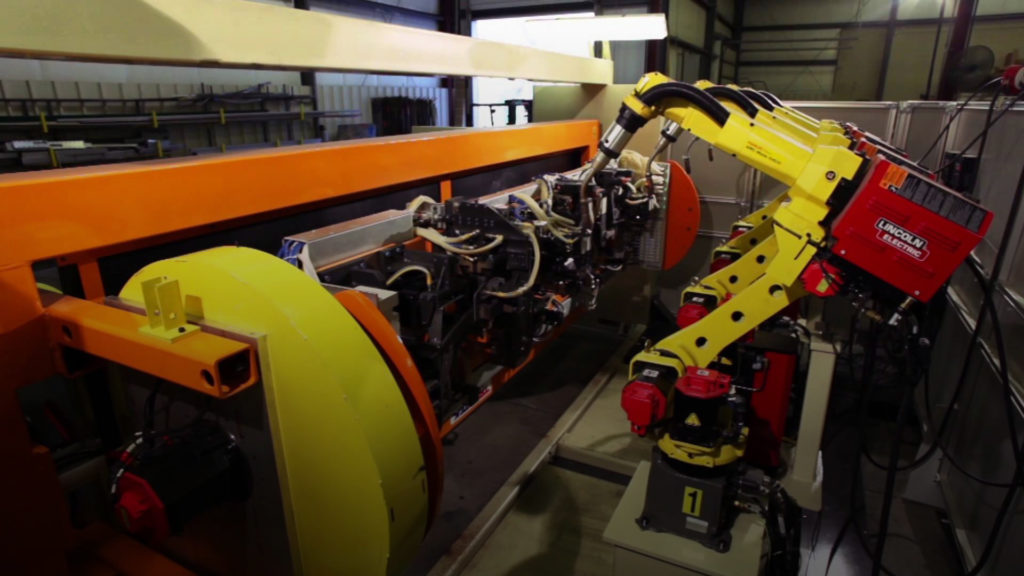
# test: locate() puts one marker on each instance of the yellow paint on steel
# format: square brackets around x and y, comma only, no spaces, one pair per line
[735,277]
[700,343]
[812,171]
[705,456]
[348,457]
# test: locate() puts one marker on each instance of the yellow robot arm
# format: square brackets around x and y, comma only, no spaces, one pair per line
[763,281]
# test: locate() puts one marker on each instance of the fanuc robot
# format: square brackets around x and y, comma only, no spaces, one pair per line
[858,219]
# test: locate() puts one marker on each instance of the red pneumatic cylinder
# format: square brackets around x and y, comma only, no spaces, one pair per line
[1013,79]
[645,398]
[644,404]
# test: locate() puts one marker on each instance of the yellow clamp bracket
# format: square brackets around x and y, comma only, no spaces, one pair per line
[156,123]
[159,149]
[223,117]
[54,162]
[165,310]
[302,111]
[696,289]
[708,457]
[42,121]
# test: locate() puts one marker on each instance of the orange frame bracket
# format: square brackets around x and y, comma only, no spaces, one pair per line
[208,363]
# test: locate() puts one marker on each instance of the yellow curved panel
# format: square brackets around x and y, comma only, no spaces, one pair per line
[352,473]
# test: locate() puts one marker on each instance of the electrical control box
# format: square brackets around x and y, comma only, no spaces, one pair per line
[906,229]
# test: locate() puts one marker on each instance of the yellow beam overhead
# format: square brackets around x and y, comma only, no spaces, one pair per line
[245,34]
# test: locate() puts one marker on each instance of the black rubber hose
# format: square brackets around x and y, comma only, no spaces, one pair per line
[718,113]
[734,96]
[772,98]
[890,481]
[758,98]
[959,109]
[984,140]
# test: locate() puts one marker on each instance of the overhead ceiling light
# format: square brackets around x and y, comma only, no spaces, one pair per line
[594,28]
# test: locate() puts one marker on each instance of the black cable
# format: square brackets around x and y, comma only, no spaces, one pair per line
[981,134]
[983,314]
[949,455]
[984,140]
[890,481]
[686,155]
[839,538]
[935,51]
[1004,509]
[867,376]
[959,109]
[1018,476]
[987,311]
[700,99]
[149,409]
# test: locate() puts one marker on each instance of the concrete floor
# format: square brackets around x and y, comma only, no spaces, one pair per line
[554,529]
[556,524]
[492,442]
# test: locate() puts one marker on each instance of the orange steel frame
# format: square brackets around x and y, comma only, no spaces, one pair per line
[81,214]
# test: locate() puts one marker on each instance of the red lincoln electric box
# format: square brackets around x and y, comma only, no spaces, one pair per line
[906,229]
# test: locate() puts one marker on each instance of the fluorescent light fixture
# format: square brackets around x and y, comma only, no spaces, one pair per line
[594,28]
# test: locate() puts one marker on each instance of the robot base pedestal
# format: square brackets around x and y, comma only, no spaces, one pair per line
[658,553]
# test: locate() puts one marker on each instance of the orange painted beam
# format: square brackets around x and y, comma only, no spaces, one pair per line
[92,280]
[31,499]
[202,361]
[76,210]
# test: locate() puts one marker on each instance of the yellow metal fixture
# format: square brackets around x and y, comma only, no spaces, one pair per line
[349,460]
[705,456]
[164,310]
[209,363]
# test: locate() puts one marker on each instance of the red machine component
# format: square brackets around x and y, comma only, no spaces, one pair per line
[870,145]
[770,405]
[822,279]
[1013,79]
[644,404]
[140,510]
[690,313]
[703,383]
[721,262]
[908,230]
[739,229]
[682,217]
